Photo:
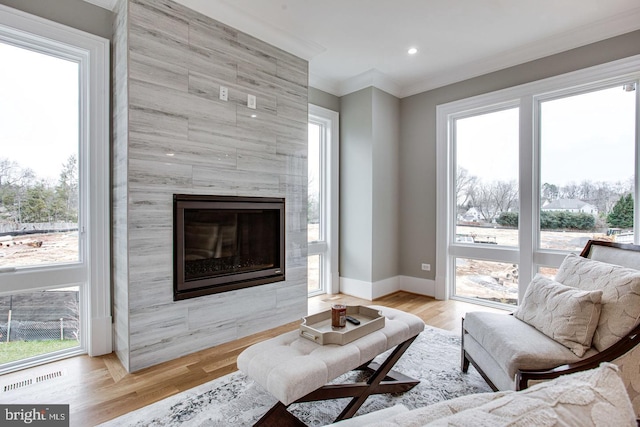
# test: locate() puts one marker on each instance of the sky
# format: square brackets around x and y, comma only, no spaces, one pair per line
[583,137]
[38,110]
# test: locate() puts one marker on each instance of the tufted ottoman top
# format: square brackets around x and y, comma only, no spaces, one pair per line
[290,366]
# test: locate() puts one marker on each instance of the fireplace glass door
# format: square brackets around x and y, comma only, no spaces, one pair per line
[226,243]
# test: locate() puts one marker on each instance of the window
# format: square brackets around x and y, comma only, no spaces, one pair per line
[596,131]
[322,201]
[54,210]
[529,174]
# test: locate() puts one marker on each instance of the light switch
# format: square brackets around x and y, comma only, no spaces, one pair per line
[251,101]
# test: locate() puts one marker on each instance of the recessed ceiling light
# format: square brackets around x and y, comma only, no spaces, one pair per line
[412,51]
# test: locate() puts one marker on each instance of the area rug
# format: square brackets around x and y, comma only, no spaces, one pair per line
[235,400]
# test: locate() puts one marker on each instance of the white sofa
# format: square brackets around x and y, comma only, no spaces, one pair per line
[588,398]
[539,343]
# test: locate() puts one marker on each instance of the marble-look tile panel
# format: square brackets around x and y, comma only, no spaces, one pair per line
[232,305]
[167,100]
[265,319]
[177,346]
[158,124]
[296,220]
[297,274]
[120,267]
[181,152]
[252,76]
[292,147]
[294,184]
[297,74]
[257,80]
[155,324]
[168,115]
[152,18]
[248,54]
[151,209]
[169,8]
[146,42]
[238,182]
[296,246]
[216,64]
[261,162]
[207,33]
[209,88]
[158,72]
[144,174]
[291,291]
[280,126]
[293,110]
[296,166]
[149,291]
[221,134]
[275,52]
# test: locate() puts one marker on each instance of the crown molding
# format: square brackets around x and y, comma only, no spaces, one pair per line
[325,85]
[372,77]
[105,4]
[580,36]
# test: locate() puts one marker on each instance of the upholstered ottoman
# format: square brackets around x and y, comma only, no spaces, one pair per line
[295,369]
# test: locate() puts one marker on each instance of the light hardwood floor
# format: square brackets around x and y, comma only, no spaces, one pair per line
[99,389]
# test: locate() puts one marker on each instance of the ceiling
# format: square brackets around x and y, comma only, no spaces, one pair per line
[352,44]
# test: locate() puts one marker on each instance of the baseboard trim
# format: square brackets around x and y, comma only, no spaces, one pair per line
[370,291]
[356,288]
[419,286]
[101,339]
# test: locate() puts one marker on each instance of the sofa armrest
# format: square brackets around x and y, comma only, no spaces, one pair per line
[617,350]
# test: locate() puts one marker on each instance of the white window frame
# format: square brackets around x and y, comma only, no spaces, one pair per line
[91,53]
[328,248]
[529,256]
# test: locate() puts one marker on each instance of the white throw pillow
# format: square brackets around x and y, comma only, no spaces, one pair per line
[589,398]
[565,314]
[620,295]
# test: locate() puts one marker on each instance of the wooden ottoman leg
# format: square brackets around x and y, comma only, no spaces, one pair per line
[375,380]
[278,416]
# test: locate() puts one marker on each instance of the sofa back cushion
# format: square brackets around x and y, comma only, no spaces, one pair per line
[565,314]
[620,287]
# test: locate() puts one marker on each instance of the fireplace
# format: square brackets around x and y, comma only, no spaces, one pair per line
[223,243]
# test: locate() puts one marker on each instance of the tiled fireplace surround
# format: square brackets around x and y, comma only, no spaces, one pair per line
[171,134]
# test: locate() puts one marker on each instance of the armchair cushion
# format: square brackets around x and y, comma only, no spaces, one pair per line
[620,287]
[565,314]
[514,345]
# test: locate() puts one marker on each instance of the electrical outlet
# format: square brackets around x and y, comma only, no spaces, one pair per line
[224,93]
[426,267]
[251,101]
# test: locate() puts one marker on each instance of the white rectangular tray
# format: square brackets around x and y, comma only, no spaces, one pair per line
[317,327]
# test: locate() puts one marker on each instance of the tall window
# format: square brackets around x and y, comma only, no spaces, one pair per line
[486,186]
[54,269]
[529,174]
[322,201]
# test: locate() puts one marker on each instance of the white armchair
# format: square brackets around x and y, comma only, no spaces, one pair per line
[511,354]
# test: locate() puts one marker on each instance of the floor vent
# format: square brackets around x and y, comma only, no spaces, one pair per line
[49,376]
[17,385]
[31,380]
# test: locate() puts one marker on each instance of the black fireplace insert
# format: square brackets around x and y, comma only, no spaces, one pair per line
[223,243]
